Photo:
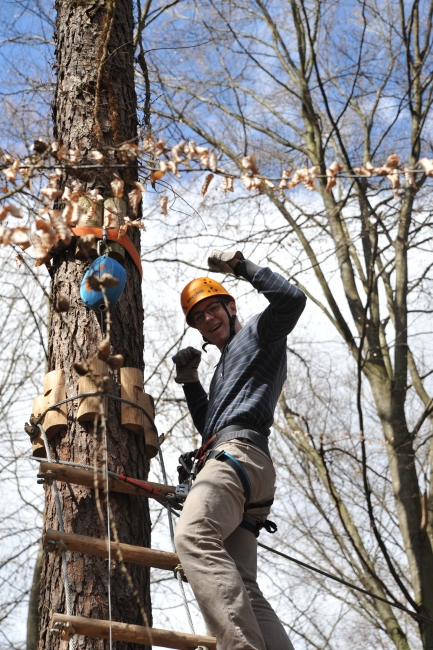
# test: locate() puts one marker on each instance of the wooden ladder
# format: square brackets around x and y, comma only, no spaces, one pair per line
[66,625]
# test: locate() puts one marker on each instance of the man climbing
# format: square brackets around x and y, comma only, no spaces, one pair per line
[231,496]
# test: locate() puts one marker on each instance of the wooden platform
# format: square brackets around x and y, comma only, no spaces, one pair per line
[92,546]
[99,629]
[86,477]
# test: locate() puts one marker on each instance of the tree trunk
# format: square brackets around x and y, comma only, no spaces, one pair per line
[95,106]
[32,616]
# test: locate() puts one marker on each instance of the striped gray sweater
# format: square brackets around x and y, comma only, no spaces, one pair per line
[253,366]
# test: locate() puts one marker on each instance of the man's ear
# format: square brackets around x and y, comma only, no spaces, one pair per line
[232,308]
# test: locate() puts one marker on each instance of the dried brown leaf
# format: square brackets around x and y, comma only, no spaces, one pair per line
[148,144]
[59,223]
[106,385]
[11,172]
[20,236]
[61,152]
[48,237]
[115,362]
[394,178]
[213,161]
[13,210]
[75,217]
[137,223]
[134,197]
[50,193]
[227,184]
[93,282]
[157,175]
[117,186]
[331,173]
[96,155]
[108,281]
[249,163]
[207,182]
[104,349]
[73,155]
[19,260]
[39,146]
[5,235]
[128,152]
[163,203]
[365,170]
[86,243]
[39,248]
[177,151]
[94,196]
[81,368]
[306,176]
[427,165]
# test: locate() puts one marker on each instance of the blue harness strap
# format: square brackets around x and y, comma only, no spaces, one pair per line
[224,457]
[249,524]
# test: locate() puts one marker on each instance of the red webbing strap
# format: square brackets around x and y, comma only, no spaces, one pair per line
[112,235]
[139,484]
[200,454]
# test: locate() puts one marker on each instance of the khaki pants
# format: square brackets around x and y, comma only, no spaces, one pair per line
[220,559]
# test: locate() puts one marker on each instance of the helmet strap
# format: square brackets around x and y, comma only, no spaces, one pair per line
[232,321]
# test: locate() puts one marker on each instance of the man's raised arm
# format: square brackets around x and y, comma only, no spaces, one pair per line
[287,302]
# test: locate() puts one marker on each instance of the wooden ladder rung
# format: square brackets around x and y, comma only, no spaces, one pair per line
[98,629]
[86,477]
[92,546]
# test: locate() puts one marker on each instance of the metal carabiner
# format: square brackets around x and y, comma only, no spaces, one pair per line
[102,243]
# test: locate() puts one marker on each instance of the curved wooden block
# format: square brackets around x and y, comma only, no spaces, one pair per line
[89,407]
[131,387]
[55,391]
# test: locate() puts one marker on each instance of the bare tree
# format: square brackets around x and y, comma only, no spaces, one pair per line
[95,107]
[310,84]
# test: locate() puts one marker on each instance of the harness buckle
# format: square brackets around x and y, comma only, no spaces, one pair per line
[182,490]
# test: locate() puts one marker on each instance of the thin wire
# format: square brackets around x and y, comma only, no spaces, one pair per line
[170,525]
[62,530]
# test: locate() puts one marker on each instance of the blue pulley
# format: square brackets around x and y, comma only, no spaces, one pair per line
[94,299]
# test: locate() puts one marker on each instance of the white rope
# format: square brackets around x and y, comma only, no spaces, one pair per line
[108,529]
[62,530]
[170,525]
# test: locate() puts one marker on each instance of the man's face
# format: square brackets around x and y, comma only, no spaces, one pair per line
[215,326]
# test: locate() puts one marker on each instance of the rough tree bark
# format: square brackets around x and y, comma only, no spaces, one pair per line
[95,106]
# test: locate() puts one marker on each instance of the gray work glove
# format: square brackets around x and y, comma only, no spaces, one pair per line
[187,361]
[218,260]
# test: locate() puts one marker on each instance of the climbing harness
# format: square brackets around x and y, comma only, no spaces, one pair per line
[255,527]
[192,462]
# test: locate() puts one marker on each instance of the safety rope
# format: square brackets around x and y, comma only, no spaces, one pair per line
[170,525]
[346,583]
[62,530]
[107,500]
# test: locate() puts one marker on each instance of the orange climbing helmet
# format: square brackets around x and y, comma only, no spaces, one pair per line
[198,290]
